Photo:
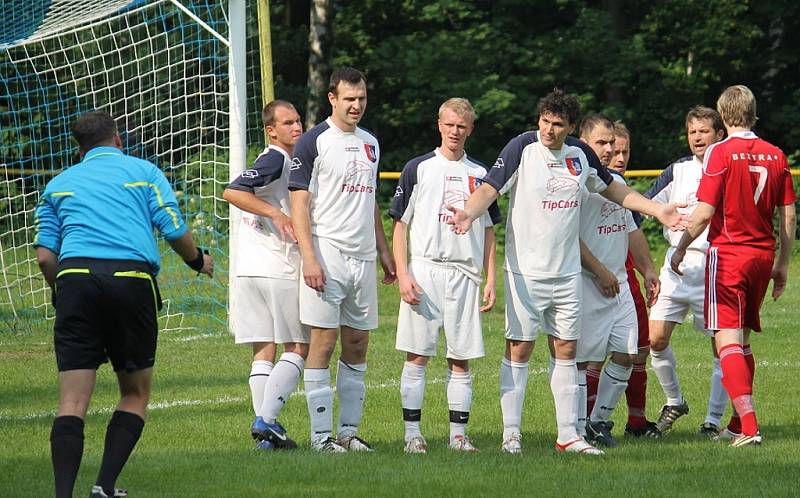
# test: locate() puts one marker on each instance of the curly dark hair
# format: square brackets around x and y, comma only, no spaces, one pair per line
[562,104]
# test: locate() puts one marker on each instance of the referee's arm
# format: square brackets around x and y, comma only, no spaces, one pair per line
[47,239]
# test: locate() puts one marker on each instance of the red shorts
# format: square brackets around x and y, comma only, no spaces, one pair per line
[641,306]
[736,283]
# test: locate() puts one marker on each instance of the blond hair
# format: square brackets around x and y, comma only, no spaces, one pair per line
[460,106]
[737,106]
[620,130]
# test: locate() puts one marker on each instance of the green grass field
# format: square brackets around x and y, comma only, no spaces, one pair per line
[196,442]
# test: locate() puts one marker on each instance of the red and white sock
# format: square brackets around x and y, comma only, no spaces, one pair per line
[738,382]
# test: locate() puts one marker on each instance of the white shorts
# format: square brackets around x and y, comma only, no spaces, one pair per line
[351,292]
[549,304]
[450,300]
[679,294]
[607,323]
[265,309]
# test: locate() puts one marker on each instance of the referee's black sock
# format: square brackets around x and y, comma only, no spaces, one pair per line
[66,450]
[123,432]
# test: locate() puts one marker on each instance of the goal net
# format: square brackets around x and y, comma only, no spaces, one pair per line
[161,68]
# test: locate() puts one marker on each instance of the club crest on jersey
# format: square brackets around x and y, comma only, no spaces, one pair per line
[574,165]
[474,183]
[372,152]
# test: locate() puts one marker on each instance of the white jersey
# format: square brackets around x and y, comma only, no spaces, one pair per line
[545,202]
[261,250]
[340,170]
[427,185]
[679,183]
[605,226]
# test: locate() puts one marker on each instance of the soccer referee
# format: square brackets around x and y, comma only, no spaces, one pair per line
[96,249]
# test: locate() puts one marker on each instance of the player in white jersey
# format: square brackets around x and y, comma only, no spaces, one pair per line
[333,182]
[265,310]
[608,310]
[680,293]
[544,177]
[440,287]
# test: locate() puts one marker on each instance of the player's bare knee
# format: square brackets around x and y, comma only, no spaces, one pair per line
[297,348]
[458,366]
[563,349]
[622,359]
[519,351]
[640,358]
[417,359]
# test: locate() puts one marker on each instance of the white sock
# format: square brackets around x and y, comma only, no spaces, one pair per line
[580,428]
[319,397]
[663,363]
[459,400]
[513,382]
[564,385]
[259,374]
[613,382]
[351,388]
[718,397]
[412,393]
[281,383]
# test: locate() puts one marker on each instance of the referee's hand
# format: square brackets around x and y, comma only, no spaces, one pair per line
[208,265]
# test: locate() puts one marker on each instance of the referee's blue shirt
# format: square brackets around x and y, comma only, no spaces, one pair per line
[106,207]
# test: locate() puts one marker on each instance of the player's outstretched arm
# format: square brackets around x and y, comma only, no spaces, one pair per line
[630,199]
[605,280]
[489,270]
[643,262]
[313,275]
[701,217]
[192,255]
[247,201]
[409,288]
[780,271]
[478,203]
[385,255]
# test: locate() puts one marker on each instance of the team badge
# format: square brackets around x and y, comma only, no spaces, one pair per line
[372,153]
[474,183]
[574,165]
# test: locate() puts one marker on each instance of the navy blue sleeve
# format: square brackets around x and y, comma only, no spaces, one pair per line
[508,162]
[305,153]
[266,169]
[594,161]
[664,179]
[405,187]
[494,209]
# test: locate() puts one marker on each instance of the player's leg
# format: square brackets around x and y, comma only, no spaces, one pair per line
[738,382]
[664,366]
[319,393]
[636,392]
[522,326]
[283,379]
[459,400]
[260,370]
[592,371]
[717,399]
[412,394]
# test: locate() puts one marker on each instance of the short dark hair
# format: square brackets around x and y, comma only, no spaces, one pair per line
[704,113]
[560,104]
[268,112]
[349,75]
[591,121]
[93,128]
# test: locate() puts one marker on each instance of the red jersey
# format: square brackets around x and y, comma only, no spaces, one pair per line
[745,178]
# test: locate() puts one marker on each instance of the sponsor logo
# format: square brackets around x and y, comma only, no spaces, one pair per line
[574,165]
[499,163]
[250,173]
[398,191]
[358,178]
[452,178]
[612,228]
[553,165]
[372,152]
[451,198]
[359,169]
[609,208]
[351,149]
[562,184]
[548,205]
[296,163]
[754,157]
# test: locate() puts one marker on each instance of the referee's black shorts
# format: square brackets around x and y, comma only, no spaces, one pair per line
[105,310]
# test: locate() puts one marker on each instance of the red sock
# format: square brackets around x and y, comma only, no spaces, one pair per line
[750,360]
[735,424]
[592,381]
[738,382]
[636,393]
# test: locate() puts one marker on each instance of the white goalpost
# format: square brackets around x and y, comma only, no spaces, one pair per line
[173,75]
